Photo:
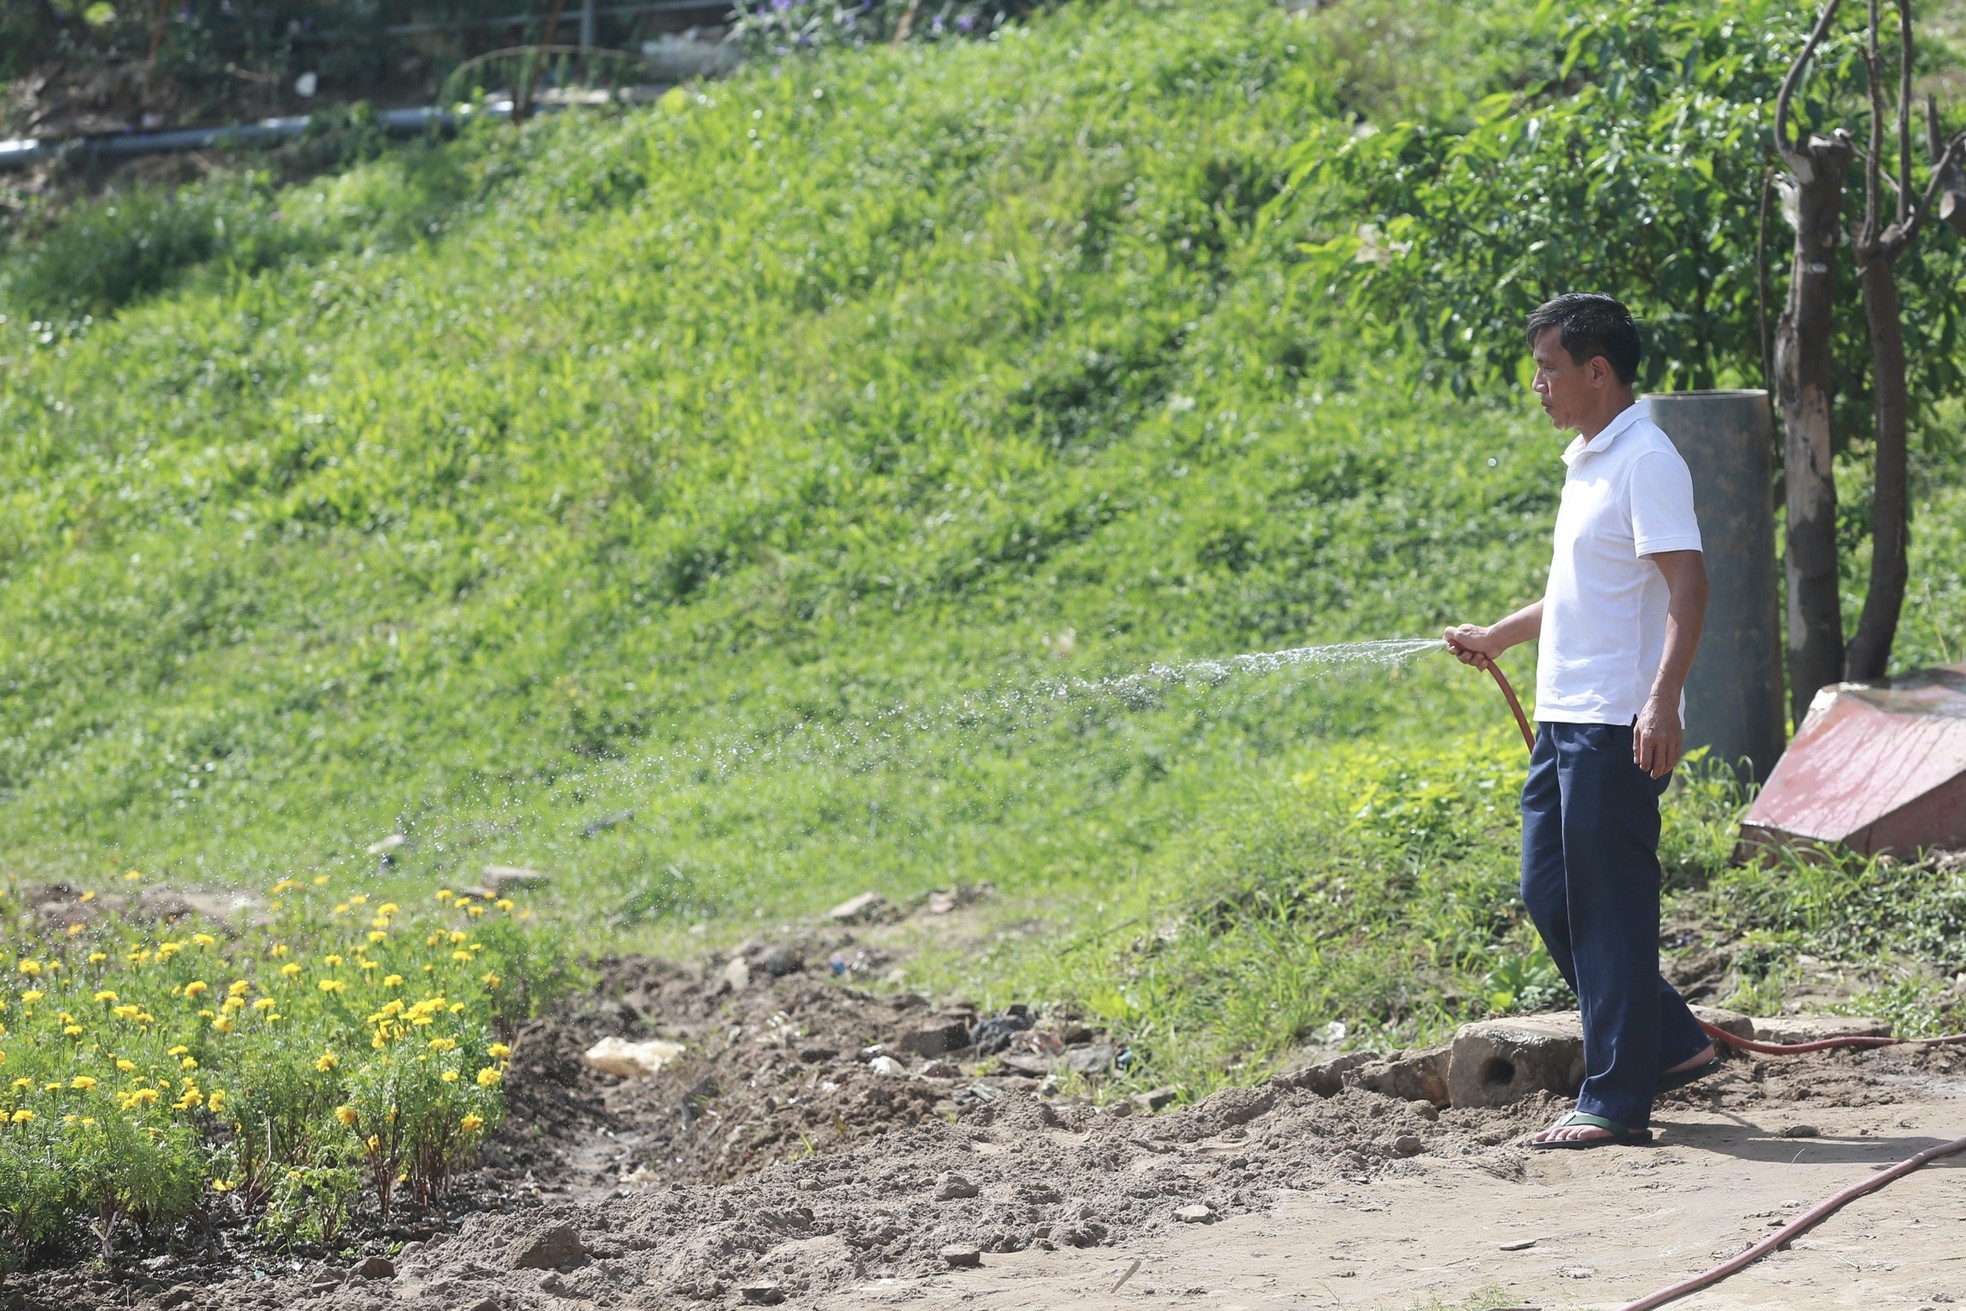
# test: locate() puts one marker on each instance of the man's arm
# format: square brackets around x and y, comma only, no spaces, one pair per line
[1659,740]
[1478,646]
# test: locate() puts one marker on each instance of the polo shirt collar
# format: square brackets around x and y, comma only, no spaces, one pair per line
[1631,414]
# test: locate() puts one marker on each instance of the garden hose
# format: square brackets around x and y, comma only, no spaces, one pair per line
[1816,1214]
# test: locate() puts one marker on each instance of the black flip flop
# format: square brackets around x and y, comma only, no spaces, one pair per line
[1680,1078]
[1620,1136]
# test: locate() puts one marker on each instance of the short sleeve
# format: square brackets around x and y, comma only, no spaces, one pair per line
[1662,504]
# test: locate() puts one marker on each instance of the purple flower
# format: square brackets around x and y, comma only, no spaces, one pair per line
[966,22]
[936,26]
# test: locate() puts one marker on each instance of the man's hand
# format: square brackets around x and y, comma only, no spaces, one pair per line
[1657,738]
[1474,645]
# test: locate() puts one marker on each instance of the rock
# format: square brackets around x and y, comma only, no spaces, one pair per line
[1035,1066]
[936,1035]
[1500,1062]
[960,1255]
[1121,1109]
[388,846]
[1407,1144]
[863,909]
[1726,1021]
[1576,1271]
[1094,1058]
[485,1304]
[1802,1131]
[1519,1245]
[993,1035]
[887,1065]
[502,879]
[762,1292]
[631,1060]
[556,1247]
[1424,1109]
[1155,1099]
[376,1267]
[1198,1213]
[952,1186]
[1326,1077]
[941,1070]
[182,1295]
[1809,1028]
[737,974]
[780,960]
[326,1282]
[1421,1076]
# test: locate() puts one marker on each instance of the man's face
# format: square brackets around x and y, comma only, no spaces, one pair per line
[1569,391]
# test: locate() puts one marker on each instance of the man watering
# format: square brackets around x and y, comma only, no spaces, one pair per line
[1618,623]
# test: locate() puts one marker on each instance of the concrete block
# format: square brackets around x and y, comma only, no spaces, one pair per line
[1499,1062]
[1809,1028]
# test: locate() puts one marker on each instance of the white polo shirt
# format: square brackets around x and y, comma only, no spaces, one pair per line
[1627,495]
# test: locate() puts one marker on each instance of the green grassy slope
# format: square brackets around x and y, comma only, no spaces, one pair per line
[768,463]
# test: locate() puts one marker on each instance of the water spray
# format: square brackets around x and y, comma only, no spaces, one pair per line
[1820,1212]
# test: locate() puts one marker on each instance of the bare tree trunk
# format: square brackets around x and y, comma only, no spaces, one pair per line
[1870,648]
[1802,381]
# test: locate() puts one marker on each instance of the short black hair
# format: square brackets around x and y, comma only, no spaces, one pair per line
[1590,324]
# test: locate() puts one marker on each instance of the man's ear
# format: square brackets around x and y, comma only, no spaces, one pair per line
[1600,370]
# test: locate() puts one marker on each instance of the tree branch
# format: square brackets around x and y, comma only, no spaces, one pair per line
[1782,101]
[1867,231]
[1904,110]
[1901,235]
[1952,184]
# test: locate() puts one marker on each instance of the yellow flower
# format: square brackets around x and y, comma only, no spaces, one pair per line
[265,1004]
[82,1082]
[377,936]
[3,1058]
[216,1102]
[225,1024]
[204,939]
[178,1050]
[238,988]
[475,910]
[188,1063]
[498,1050]
[22,1116]
[22,1085]
[125,1064]
[393,981]
[32,995]
[71,1030]
[332,960]
[285,885]
[345,1114]
[126,1011]
[222,1185]
[445,894]
[196,987]
[278,949]
[87,897]
[457,936]
[328,1061]
[489,1077]
[98,957]
[132,876]
[471,1123]
[331,985]
[443,1044]
[490,979]
[107,996]
[129,1101]
[31,968]
[290,970]
[504,904]
[387,908]
[461,955]
[450,1076]
[319,879]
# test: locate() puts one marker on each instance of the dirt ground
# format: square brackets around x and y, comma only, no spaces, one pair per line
[815,1147]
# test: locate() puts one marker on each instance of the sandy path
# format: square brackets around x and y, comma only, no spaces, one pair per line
[1609,1226]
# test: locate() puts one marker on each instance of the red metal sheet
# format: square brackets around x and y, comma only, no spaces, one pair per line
[1874,768]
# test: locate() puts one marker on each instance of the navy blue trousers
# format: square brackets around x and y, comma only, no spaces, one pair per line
[1590,877]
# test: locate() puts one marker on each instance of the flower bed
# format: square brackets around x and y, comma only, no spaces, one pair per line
[342,1045]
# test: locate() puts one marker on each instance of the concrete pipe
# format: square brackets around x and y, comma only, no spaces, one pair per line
[1734,699]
